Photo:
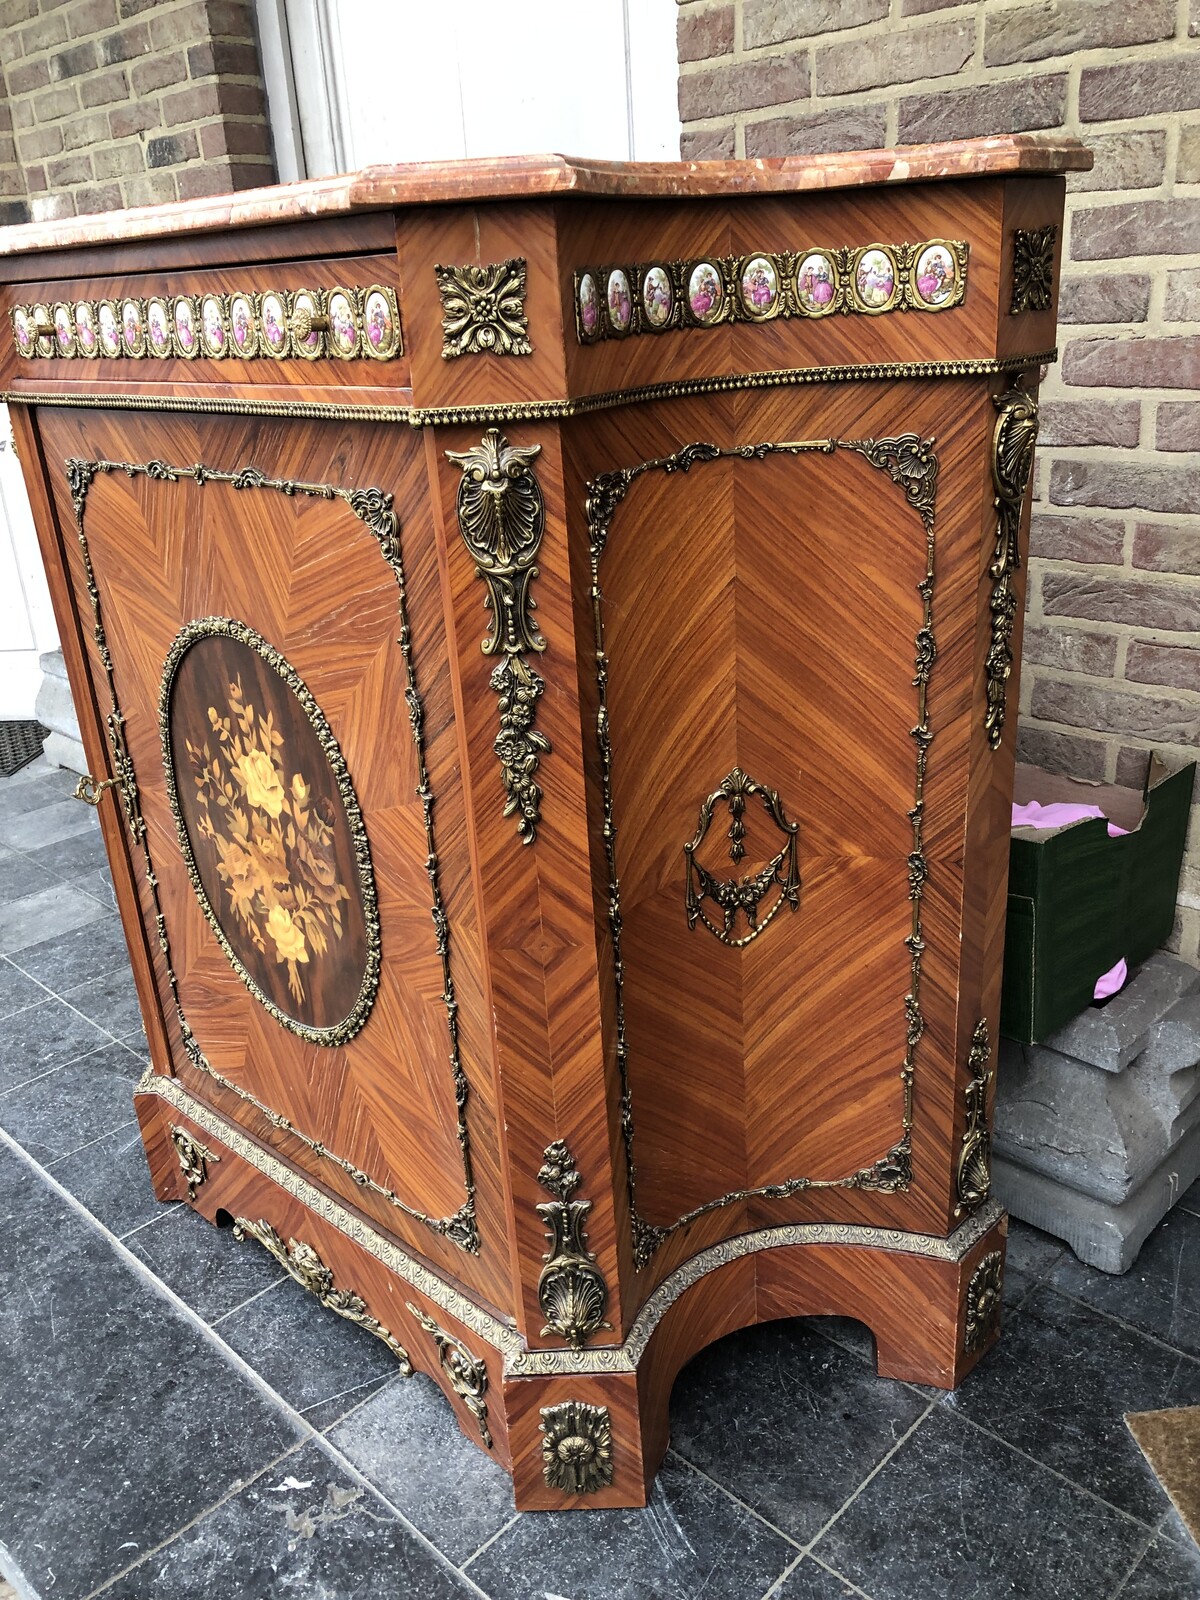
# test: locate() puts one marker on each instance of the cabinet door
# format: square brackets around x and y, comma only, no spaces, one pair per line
[269,652]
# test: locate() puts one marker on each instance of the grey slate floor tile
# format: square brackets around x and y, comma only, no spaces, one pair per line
[50,823]
[20,875]
[111,1178]
[122,1421]
[1190,1201]
[406,1441]
[956,1512]
[787,1421]
[57,908]
[205,1266]
[303,1528]
[110,1001]
[17,991]
[811,1581]
[1058,1385]
[73,1105]
[1030,1250]
[46,1034]
[1161,1291]
[1167,1571]
[74,958]
[320,1363]
[72,857]
[691,1540]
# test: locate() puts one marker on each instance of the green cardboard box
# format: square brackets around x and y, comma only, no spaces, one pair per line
[1079,900]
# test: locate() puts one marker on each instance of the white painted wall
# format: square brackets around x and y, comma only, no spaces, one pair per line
[26,620]
[352,82]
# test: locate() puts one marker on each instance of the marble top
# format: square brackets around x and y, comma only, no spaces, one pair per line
[521,177]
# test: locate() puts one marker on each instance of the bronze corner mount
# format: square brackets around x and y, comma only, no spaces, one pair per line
[571,1289]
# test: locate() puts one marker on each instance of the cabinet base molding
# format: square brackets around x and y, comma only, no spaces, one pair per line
[620,1390]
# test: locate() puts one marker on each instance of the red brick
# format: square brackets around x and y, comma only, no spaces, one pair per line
[1071,649]
[1098,541]
[75,168]
[1172,665]
[1159,547]
[707,144]
[750,84]
[1145,716]
[209,177]
[40,142]
[1169,363]
[85,132]
[1135,159]
[97,197]
[704,35]
[1133,768]
[229,19]
[1115,297]
[772,21]
[91,16]
[27,77]
[126,45]
[137,118]
[219,56]
[22,114]
[35,179]
[1182,303]
[818,132]
[133,8]
[896,56]
[234,139]
[157,71]
[1143,602]
[1090,422]
[1139,88]
[248,172]
[1061,752]
[1187,164]
[13,212]
[149,188]
[118,160]
[172,149]
[43,34]
[195,102]
[1177,425]
[16,11]
[104,88]
[1061,27]
[1013,106]
[56,103]
[1143,227]
[1125,487]
[73,63]
[48,208]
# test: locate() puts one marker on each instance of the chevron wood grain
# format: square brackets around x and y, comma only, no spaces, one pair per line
[761,579]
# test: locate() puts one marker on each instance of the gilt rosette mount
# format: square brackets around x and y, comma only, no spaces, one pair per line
[483,310]
[1012,461]
[576,1447]
[741,898]
[502,517]
[571,1289]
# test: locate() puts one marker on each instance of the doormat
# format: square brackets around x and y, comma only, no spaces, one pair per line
[1170,1442]
[20,743]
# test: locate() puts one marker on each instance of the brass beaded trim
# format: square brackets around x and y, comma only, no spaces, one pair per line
[519,1360]
[374,510]
[535,410]
[338,322]
[658,296]
[912,465]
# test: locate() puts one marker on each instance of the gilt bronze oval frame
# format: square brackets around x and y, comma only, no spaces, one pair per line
[342,1031]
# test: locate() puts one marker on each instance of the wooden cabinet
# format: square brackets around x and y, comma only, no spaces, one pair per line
[545,637]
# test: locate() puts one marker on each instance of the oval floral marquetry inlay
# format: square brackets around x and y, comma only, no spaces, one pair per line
[270,829]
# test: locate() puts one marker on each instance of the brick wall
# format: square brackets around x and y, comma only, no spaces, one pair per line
[1112,642]
[124,102]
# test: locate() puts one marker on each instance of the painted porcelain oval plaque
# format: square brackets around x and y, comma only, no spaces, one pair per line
[934,277]
[110,331]
[241,321]
[381,335]
[817,283]
[212,325]
[274,323]
[85,328]
[875,278]
[64,332]
[658,297]
[158,327]
[758,283]
[620,301]
[706,292]
[589,305]
[23,327]
[132,329]
[343,326]
[270,829]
